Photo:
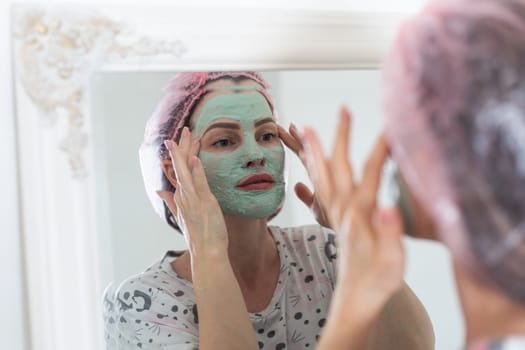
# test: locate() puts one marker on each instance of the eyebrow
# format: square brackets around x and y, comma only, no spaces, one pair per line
[235,126]
[224,125]
[264,121]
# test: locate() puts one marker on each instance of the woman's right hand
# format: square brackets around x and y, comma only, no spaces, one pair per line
[370,252]
[194,206]
[223,317]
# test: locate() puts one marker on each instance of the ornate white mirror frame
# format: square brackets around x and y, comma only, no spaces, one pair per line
[56,51]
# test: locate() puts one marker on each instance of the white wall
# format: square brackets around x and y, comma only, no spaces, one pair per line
[131,235]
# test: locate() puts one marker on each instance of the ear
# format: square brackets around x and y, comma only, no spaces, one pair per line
[167,197]
[167,168]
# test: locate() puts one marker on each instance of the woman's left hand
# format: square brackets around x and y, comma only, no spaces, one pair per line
[292,140]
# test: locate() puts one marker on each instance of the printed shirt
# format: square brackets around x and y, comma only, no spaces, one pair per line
[156,309]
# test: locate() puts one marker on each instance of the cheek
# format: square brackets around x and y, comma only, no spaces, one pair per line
[276,155]
[210,163]
[221,167]
[424,227]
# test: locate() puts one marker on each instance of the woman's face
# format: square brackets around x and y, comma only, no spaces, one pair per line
[241,152]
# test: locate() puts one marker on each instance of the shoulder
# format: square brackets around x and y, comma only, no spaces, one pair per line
[158,283]
[153,306]
[306,234]
[307,241]
[309,251]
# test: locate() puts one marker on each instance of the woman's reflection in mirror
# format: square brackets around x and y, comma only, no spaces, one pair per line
[213,166]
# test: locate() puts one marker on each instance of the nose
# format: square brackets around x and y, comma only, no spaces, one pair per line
[253,154]
[257,163]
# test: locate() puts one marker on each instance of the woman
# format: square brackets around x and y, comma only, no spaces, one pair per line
[213,165]
[455,125]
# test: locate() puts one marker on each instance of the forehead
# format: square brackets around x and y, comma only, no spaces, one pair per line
[227,95]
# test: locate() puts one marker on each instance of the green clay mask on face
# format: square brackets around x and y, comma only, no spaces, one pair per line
[404,203]
[226,167]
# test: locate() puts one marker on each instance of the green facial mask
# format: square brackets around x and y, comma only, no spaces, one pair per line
[405,205]
[224,169]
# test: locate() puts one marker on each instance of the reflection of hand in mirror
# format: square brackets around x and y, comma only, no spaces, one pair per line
[293,140]
[195,207]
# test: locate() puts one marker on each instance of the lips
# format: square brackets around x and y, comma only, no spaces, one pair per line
[256,182]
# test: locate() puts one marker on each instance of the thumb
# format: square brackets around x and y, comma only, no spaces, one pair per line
[304,194]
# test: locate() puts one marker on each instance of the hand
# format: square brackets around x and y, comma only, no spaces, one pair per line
[370,252]
[293,141]
[194,206]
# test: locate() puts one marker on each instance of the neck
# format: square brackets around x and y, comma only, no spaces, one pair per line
[251,249]
[489,313]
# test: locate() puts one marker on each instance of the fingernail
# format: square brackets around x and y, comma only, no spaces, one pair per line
[389,215]
[306,133]
[306,146]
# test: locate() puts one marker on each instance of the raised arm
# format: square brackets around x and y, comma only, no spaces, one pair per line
[223,316]
[372,308]
[402,324]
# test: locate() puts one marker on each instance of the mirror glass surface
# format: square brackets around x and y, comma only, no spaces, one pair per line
[130,234]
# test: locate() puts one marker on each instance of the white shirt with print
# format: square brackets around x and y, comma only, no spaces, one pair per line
[156,309]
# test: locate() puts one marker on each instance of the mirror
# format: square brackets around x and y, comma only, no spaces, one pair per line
[86,81]
[132,236]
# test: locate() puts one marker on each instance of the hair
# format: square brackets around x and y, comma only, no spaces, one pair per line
[174,111]
[455,117]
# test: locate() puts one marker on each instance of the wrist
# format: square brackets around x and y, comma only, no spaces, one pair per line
[208,251]
[357,306]
[209,259]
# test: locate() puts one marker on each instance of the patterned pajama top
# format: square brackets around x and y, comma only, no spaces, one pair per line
[156,309]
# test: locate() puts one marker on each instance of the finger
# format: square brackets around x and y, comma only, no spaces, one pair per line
[317,166]
[372,175]
[289,140]
[296,134]
[304,194]
[389,232]
[340,156]
[180,166]
[185,143]
[343,134]
[179,203]
[194,151]
[201,182]
[390,224]
[354,226]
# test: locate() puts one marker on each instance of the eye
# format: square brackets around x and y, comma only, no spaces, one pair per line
[222,143]
[268,137]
